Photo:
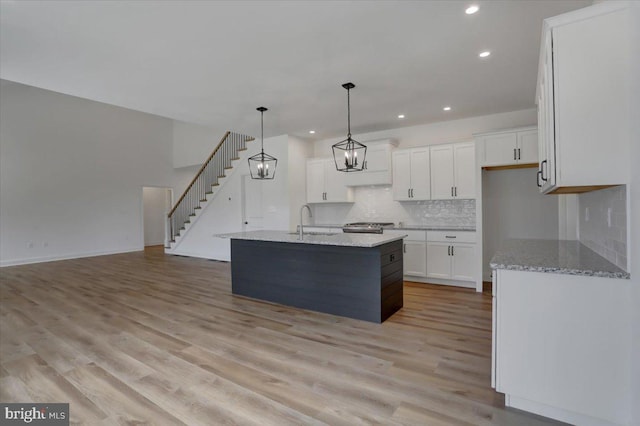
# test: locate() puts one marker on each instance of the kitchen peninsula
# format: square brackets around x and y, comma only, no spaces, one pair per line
[353,275]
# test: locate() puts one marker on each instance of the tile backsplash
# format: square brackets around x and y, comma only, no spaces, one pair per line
[594,230]
[376,204]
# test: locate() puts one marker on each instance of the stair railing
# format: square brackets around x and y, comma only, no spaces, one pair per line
[205,180]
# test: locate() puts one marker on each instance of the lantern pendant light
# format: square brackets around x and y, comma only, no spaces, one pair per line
[262,166]
[349,154]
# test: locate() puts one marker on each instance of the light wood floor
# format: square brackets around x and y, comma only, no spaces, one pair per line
[145,338]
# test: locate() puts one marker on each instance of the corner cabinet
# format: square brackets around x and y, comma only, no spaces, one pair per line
[508,149]
[325,184]
[583,90]
[411,174]
[453,171]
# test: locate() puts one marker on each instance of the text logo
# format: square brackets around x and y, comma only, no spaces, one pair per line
[41,414]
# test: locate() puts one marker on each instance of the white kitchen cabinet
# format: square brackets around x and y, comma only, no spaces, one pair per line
[411,176]
[415,258]
[453,171]
[509,147]
[415,253]
[584,83]
[325,184]
[377,165]
[451,255]
[560,345]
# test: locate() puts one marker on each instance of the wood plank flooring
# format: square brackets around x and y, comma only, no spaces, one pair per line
[144,338]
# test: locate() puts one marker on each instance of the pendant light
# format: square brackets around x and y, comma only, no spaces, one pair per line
[262,166]
[349,154]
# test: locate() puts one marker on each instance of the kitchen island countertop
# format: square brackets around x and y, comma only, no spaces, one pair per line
[330,239]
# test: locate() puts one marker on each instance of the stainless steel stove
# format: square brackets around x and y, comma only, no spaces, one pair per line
[366,227]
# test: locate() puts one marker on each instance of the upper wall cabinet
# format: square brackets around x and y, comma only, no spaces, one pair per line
[411,176]
[583,94]
[514,147]
[453,171]
[377,165]
[325,184]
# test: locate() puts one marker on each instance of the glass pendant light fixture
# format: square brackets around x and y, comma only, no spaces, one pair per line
[262,166]
[349,154]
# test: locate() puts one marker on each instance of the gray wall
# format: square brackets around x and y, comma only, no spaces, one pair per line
[607,239]
[512,207]
[72,172]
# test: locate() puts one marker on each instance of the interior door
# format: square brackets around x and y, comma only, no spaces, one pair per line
[252,218]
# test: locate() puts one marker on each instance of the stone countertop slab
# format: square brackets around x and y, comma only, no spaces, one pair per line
[412,227]
[347,240]
[554,256]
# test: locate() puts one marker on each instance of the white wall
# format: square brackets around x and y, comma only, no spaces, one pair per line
[193,143]
[634,214]
[512,207]
[72,172]
[280,200]
[156,205]
[437,133]
[376,203]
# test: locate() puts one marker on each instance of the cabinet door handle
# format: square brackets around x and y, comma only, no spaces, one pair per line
[538,178]
[542,170]
[452,191]
[455,191]
[515,157]
[450,236]
[452,251]
[448,250]
[409,193]
[392,257]
[404,248]
[519,156]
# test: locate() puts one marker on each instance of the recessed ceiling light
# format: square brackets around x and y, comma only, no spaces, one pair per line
[484,54]
[312,131]
[447,108]
[401,116]
[472,9]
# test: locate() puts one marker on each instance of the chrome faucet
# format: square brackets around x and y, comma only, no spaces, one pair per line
[300,233]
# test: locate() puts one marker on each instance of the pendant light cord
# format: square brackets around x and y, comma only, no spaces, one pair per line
[262,131]
[348,114]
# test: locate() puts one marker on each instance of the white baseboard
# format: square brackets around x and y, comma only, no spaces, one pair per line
[454,283]
[15,262]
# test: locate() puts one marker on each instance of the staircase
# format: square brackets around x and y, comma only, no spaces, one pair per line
[204,184]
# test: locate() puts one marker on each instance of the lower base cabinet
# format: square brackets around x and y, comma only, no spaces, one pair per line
[415,258]
[451,255]
[561,345]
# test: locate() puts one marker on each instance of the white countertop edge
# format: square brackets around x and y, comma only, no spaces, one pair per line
[342,240]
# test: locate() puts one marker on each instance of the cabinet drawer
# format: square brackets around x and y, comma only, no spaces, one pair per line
[451,236]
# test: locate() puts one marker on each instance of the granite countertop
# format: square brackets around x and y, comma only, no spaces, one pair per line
[410,227]
[554,256]
[348,240]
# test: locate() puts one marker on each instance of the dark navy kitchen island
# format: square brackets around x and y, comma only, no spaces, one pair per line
[353,275]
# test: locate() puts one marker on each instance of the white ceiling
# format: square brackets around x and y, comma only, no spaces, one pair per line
[214,62]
